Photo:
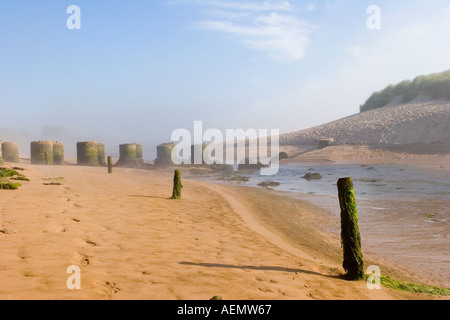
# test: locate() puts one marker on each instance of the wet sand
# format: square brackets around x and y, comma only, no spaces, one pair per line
[132,242]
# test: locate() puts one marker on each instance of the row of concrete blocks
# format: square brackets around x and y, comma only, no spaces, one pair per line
[88,153]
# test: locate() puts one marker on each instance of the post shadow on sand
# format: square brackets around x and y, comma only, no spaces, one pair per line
[260,268]
[150,197]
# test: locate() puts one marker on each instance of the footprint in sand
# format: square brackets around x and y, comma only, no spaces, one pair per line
[85,261]
[23,253]
[29,274]
[80,259]
[106,287]
[91,243]
[111,288]
[54,228]
[8,231]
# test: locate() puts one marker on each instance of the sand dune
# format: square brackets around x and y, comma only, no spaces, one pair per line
[418,122]
[414,133]
[131,242]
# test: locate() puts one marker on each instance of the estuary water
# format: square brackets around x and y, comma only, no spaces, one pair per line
[403,211]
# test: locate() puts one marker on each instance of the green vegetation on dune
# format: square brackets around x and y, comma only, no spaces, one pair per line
[436,86]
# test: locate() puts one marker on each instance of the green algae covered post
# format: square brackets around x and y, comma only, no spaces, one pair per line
[110,165]
[177,186]
[350,235]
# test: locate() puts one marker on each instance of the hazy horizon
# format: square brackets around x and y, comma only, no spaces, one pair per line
[137,71]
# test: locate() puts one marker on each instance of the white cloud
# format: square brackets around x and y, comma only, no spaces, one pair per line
[282,37]
[267,26]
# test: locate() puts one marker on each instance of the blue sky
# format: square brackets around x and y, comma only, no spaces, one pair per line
[137,70]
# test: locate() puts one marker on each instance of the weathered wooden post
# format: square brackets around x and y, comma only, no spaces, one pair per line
[177,186]
[350,236]
[110,165]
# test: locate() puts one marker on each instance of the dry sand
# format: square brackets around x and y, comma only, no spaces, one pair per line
[132,242]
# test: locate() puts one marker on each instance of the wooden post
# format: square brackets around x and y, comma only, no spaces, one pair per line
[177,186]
[350,236]
[110,165]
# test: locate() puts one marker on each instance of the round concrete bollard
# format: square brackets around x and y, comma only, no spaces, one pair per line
[10,152]
[42,152]
[58,153]
[87,154]
[164,154]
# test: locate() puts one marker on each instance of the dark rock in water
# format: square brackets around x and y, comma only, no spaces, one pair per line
[247,166]
[312,176]
[267,184]
[222,168]
[283,156]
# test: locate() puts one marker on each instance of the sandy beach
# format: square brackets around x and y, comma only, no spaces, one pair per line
[132,242]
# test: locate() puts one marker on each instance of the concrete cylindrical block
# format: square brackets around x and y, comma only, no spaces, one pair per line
[139,153]
[10,152]
[87,154]
[101,154]
[58,153]
[164,154]
[42,152]
[128,151]
[130,155]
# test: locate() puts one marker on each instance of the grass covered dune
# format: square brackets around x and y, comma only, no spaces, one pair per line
[434,86]
[132,242]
